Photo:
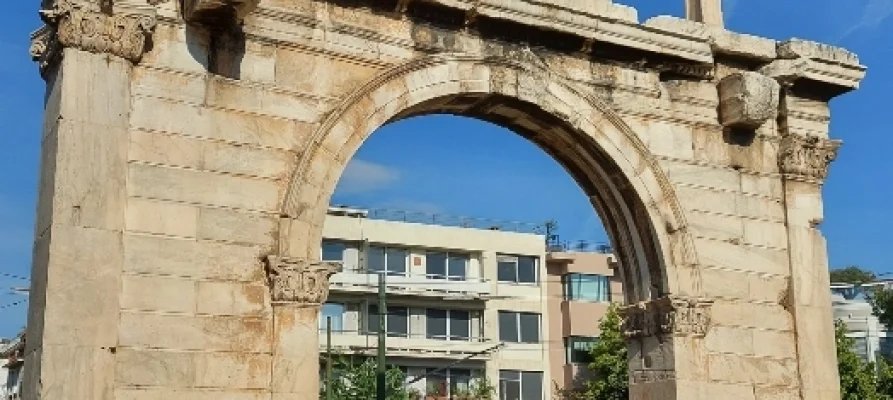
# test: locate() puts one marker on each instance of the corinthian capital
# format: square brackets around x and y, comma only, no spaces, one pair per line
[123,33]
[299,281]
[667,316]
[806,158]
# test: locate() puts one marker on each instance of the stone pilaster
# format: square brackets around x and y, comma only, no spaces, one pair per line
[86,57]
[804,162]
[665,343]
[298,288]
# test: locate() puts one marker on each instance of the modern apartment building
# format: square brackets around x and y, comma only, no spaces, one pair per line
[472,300]
[580,286]
[871,338]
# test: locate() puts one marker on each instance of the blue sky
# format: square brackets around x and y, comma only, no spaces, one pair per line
[464,167]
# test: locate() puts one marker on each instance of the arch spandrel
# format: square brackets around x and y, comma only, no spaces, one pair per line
[432,84]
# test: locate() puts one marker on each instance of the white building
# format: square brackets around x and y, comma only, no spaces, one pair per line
[470,299]
[870,336]
[11,373]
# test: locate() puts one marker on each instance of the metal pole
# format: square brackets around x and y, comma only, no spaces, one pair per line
[382,335]
[328,358]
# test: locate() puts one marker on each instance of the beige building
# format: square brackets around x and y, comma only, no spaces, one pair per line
[473,300]
[580,286]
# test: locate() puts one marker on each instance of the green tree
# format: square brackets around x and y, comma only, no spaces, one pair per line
[609,365]
[881,301]
[357,380]
[857,378]
[852,274]
[884,380]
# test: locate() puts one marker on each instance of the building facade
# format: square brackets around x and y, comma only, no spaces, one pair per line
[461,303]
[580,287]
[872,339]
[13,365]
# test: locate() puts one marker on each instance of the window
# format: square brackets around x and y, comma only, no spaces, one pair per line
[397,321]
[387,259]
[516,269]
[332,250]
[449,324]
[520,385]
[577,349]
[519,327]
[334,310]
[442,265]
[580,287]
[448,382]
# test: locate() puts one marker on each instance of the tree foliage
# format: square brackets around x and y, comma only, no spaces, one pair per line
[357,380]
[857,378]
[609,365]
[852,274]
[881,301]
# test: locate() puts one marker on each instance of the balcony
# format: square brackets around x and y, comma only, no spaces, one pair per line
[424,285]
[410,346]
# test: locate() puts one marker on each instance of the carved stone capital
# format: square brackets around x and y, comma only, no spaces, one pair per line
[806,158]
[299,281]
[667,316]
[217,13]
[70,24]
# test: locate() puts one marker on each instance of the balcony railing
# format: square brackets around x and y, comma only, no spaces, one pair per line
[580,246]
[407,345]
[428,285]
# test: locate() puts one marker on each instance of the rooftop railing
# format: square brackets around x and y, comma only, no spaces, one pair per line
[417,217]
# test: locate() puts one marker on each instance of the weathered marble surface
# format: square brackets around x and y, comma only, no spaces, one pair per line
[187,165]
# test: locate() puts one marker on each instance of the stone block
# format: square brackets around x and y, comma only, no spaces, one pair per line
[158,293]
[765,233]
[178,47]
[241,96]
[318,74]
[228,126]
[74,372]
[756,370]
[730,340]
[176,85]
[206,188]
[162,218]
[82,288]
[715,226]
[171,369]
[184,332]
[742,258]
[774,344]
[153,393]
[799,48]
[194,259]
[230,298]
[233,370]
[237,227]
[747,100]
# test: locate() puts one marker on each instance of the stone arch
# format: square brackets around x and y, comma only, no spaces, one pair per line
[627,187]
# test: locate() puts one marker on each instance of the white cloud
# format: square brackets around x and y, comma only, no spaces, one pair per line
[874,13]
[365,176]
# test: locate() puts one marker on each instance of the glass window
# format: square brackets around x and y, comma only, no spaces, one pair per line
[529,324]
[448,324]
[531,385]
[375,259]
[517,327]
[398,321]
[396,261]
[508,327]
[509,385]
[521,269]
[436,265]
[436,382]
[332,251]
[526,270]
[334,310]
[578,349]
[507,271]
[437,324]
[460,380]
[458,265]
[460,325]
[580,287]
[372,319]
